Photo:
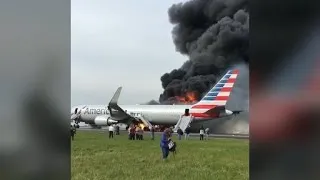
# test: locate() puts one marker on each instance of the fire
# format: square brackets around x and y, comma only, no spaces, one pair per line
[191,96]
[188,98]
[141,125]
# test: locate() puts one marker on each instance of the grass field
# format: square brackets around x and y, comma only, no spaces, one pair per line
[95,157]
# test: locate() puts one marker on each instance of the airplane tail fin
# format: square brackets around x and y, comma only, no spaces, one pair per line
[219,94]
[115,97]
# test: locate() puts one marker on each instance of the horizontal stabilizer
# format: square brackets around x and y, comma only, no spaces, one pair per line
[216,110]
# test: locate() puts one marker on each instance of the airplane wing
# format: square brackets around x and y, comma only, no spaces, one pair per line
[114,100]
[116,112]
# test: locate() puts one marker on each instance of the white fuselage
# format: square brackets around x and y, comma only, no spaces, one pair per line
[156,114]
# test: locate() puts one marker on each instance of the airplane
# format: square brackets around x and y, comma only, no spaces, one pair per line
[211,106]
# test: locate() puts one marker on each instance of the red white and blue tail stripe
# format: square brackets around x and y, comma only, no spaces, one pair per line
[219,94]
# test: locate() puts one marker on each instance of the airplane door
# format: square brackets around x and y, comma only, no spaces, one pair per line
[186,112]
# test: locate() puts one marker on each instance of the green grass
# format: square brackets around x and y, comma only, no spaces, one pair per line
[95,157]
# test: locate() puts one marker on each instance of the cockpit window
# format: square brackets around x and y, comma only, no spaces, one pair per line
[76,110]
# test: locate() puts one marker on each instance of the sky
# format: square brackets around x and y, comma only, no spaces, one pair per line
[120,43]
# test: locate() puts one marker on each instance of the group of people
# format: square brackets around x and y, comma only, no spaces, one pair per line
[204,132]
[187,131]
[166,144]
[113,129]
[135,132]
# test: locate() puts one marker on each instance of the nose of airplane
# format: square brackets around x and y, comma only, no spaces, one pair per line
[75,112]
[72,110]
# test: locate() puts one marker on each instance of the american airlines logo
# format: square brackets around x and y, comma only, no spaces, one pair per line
[96,111]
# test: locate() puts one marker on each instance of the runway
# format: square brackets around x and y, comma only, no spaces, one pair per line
[233,136]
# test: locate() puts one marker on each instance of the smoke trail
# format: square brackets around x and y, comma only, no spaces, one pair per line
[215,35]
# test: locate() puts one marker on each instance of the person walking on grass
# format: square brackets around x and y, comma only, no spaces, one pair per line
[201,133]
[180,133]
[129,129]
[117,129]
[187,132]
[73,132]
[132,132]
[152,132]
[137,133]
[111,131]
[140,134]
[164,143]
[207,133]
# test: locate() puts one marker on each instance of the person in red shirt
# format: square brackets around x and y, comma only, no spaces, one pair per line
[132,132]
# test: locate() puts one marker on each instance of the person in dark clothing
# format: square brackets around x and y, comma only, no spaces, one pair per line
[164,143]
[73,132]
[152,132]
[141,133]
[117,129]
[201,133]
[187,132]
[180,133]
[111,131]
[132,133]
[137,133]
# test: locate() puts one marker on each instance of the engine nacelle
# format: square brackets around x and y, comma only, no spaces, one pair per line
[104,121]
[228,112]
[225,113]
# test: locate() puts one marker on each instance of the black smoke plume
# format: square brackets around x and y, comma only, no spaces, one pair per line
[152,102]
[214,34]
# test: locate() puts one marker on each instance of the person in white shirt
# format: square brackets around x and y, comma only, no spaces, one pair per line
[111,131]
[207,133]
[201,133]
[129,129]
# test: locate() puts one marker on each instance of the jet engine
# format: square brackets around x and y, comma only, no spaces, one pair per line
[225,112]
[104,121]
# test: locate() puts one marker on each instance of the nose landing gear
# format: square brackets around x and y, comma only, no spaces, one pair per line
[76,125]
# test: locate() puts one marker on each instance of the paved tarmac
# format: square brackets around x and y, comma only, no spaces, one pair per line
[234,136]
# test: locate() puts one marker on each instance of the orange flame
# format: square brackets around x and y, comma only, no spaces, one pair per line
[141,125]
[188,98]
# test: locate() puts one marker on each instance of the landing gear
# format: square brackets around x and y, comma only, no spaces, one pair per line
[76,125]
